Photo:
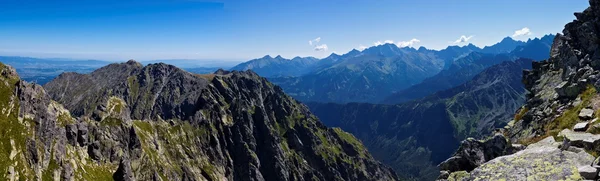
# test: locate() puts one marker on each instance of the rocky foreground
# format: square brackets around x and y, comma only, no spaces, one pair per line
[556,134]
[157,122]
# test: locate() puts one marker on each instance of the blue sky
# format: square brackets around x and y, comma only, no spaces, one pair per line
[242,30]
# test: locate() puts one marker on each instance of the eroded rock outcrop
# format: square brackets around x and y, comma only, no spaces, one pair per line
[562,103]
[157,122]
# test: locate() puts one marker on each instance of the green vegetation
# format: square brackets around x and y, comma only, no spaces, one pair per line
[134,86]
[460,175]
[570,117]
[116,105]
[48,174]
[112,122]
[98,172]
[522,112]
[65,119]
[349,138]
[13,133]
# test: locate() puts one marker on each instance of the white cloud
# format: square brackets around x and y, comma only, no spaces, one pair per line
[463,39]
[408,43]
[384,42]
[322,47]
[522,32]
[362,47]
[316,40]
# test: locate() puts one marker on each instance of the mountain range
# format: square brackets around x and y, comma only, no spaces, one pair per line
[376,73]
[415,136]
[126,121]
[463,69]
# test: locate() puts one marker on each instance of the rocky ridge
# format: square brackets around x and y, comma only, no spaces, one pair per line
[157,122]
[558,124]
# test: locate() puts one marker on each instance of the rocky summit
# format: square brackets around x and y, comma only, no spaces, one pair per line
[157,122]
[555,135]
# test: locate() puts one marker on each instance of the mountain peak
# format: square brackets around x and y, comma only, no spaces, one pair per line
[279,57]
[267,57]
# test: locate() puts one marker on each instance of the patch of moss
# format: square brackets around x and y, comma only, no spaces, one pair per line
[349,138]
[65,119]
[111,122]
[48,174]
[98,172]
[522,112]
[134,86]
[570,117]
[144,126]
[457,176]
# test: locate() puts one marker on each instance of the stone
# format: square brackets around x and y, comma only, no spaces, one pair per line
[581,126]
[581,139]
[586,114]
[515,148]
[71,132]
[541,162]
[124,171]
[473,153]
[443,175]
[588,172]
[82,137]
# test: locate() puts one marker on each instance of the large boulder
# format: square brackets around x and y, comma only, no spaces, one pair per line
[586,114]
[581,126]
[581,139]
[473,153]
[541,161]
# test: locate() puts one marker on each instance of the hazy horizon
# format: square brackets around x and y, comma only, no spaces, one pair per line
[228,30]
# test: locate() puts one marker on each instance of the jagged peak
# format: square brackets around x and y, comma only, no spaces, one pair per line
[7,71]
[222,72]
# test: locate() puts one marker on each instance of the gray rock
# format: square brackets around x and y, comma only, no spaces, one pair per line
[82,134]
[588,172]
[581,126]
[71,132]
[443,175]
[473,153]
[124,172]
[581,139]
[586,114]
[541,162]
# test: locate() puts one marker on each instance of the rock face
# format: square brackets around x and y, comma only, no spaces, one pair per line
[563,95]
[537,162]
[472,153]
[130,122]
[561,88]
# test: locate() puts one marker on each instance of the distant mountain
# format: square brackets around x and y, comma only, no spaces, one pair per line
[268,66]
[415,136]
[127,121]
[505,46]
[464,68]
[451,53]
[459,72]
[365,76]
[537,49]
[43,70]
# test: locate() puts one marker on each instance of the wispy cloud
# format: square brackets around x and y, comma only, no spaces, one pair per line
[408,43]
[316,46]
[316,40]
[322,47]
[377,43]
[463,39]
[522,32]
[362,47]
